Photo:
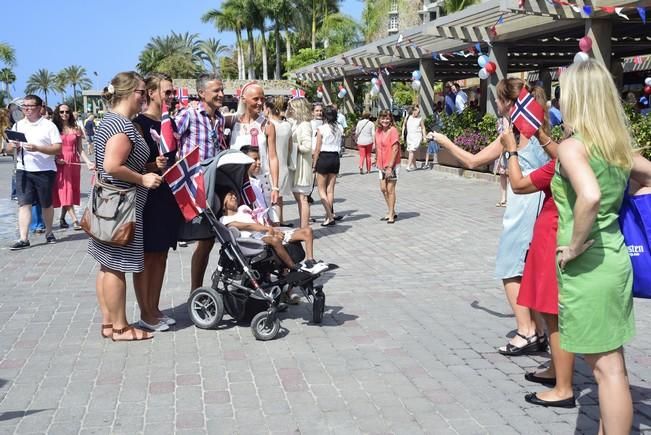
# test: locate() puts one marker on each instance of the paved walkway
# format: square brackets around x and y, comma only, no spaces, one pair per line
[407,345]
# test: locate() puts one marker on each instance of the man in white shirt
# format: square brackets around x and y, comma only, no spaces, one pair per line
[341,120]
[35,168]
[461,98]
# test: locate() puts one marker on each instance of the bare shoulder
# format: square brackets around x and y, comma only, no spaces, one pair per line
[571,147]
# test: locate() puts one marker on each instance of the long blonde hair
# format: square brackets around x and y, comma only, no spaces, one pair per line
[592,109]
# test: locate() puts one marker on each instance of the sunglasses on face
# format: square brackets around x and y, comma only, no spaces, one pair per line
[141,92]
[62,112]
[169,92]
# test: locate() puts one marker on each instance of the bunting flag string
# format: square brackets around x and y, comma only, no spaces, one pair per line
[589,10]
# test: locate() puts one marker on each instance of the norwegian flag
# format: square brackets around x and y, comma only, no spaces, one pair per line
[247,194]
[183,96]
[167,142]
[527,115]
[297,93]
[185,179]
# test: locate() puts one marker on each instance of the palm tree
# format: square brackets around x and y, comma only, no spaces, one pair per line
[7,54]
[75,75]
[176,54]
[61,83]
[211,50]
[374,17]
[229,19]
[41,81]
[7,77]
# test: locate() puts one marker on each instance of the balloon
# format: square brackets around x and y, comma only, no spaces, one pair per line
[374,91]
[373,80]
[415,75]
[376,88]
[647,90]
[319,95]
[483,74]
[482,60]
[490,67]
[585,44]
[415,85]
[647,81]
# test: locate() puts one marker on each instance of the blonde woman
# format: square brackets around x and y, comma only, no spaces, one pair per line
[594,269]
[120,157]
[299,113]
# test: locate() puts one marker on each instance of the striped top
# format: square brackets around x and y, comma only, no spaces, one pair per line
[196,128]
[129,258]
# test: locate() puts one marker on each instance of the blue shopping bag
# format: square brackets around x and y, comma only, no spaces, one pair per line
[635,223]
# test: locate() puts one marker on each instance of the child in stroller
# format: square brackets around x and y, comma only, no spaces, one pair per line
[250,277]
[243,218]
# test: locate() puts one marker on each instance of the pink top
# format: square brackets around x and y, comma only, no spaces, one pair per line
[384,141]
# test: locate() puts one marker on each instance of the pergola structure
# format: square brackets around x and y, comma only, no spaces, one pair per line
[539,37]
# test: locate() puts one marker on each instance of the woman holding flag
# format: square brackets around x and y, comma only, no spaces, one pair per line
[161,215]
[521,210]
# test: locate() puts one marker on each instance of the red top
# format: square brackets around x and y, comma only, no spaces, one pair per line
[384,141]
[542,178]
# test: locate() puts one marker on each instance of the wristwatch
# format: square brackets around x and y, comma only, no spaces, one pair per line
[509,154]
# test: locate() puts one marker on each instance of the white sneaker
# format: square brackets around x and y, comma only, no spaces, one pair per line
[159,327]
[313,267]
[168,320]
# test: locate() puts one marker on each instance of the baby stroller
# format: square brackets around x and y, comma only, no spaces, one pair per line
[249,279]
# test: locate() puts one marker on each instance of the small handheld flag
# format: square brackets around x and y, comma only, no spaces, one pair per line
[167,142]
[185,179]
[527,115]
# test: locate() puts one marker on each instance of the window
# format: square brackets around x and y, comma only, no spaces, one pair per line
[394,6]
[394,23]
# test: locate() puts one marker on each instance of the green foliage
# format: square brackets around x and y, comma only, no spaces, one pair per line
[640,130]
[451,6]
[7,54]
[557,133]
[403,94]
[42,81]
[469,130]
[179,55]
[487,126]
[351,121]
[304,57]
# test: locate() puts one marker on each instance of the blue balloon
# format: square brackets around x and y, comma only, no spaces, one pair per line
[482,60]
[415,75]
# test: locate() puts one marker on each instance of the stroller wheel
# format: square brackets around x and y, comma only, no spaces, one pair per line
[265,326]
[318,307]
[206,308]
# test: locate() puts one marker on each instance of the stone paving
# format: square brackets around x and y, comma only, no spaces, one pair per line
[407,345]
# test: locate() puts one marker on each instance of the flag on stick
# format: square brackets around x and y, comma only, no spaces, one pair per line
[185,179]
[167,142]
[527,115]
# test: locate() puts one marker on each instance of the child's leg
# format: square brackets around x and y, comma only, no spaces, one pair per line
[305,235]
[277,244]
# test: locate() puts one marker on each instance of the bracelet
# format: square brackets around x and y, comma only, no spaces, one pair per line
[546,143]
[275,188]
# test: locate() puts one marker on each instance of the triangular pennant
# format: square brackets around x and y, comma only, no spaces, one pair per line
[642,13]
[576,8]
[500,20]
[587,10]
[435,55]
[618,11]
[608,9]
[478,47]
[442,57]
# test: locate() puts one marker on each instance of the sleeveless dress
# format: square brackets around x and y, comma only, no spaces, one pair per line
[68,179]
[129,258]
[414,133]
[539,287]
[161,215]
[253,134]
[519,216]
[283,136]
[595,303]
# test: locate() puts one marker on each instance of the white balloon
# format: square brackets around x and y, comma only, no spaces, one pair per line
[483,74]
[647,81]
[373,81]
[415,85]
[581,57]
[376,88]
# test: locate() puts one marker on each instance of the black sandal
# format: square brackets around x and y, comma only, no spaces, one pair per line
[531,346]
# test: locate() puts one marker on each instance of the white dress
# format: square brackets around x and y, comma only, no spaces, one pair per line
[283,137]
[414,133]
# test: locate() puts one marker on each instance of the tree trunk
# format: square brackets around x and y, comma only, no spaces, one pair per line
[74,96]
[240,55]
[265,66]
[288,45]
[251,66]
[277,37]
[45,92]
[314,24]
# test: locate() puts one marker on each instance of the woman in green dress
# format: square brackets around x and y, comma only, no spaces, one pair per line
[594,269]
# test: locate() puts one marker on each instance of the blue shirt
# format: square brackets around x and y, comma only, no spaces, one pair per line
[450,105]
[555,116]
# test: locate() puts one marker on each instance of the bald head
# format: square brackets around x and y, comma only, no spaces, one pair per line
[253,98]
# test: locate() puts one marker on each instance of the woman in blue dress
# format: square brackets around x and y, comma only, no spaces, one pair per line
[520,215]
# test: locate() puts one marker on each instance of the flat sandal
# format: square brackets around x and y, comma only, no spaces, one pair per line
[134,337]
[106,326]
